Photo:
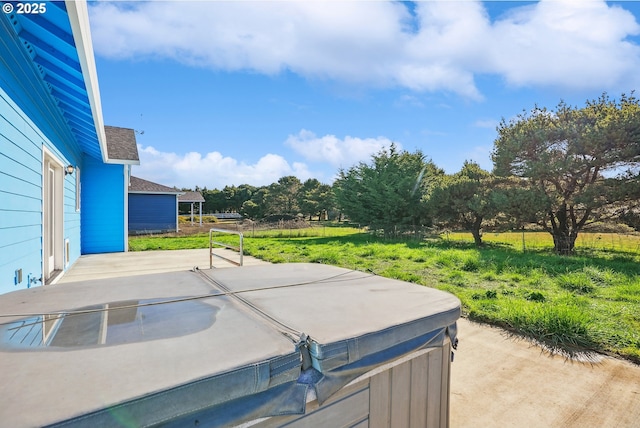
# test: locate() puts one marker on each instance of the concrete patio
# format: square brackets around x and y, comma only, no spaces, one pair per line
[497,380]
[114,265]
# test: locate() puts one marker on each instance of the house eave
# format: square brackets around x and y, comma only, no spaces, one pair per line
[79,20]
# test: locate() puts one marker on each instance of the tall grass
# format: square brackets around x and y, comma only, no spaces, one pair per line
[590,301]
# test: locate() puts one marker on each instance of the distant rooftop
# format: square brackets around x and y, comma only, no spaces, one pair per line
[191,197]
[138,185]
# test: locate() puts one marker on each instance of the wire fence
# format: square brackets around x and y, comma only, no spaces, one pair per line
[620,242]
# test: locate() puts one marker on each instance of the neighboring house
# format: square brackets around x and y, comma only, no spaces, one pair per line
[52,144]
[192,198]
[104,220]
[153,208]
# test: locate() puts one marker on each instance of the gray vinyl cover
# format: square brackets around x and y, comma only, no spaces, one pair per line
[229,355]
[354,320]
[231,364]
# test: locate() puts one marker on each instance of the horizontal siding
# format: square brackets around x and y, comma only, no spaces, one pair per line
[13,235]
[103,207]
[152,212]
[21,196]
[22,248]
[19,209]
[72,221]
[29,121]
[12,151]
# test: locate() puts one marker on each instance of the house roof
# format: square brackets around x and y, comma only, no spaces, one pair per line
[121,144]
[58,42]
[191,197]
[138,185]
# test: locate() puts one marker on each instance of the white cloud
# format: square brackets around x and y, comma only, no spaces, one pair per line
[335,151]
[442,47]
[212,170]
[575,44]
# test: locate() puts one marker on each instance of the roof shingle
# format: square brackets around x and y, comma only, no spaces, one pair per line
[121,144]
[191,197]
[138,185]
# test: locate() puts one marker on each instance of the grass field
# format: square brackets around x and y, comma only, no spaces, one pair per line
[590,301]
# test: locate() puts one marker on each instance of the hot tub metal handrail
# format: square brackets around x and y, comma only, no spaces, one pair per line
[224,245]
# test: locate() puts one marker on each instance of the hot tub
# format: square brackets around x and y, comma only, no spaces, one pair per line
[270,345]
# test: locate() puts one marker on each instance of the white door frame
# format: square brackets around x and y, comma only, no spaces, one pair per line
[52,215]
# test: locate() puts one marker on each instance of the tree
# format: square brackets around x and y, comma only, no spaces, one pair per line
[463,199]
[314,198]
[214,201]
[388,191]
[585,161]
[255,208]
[236,196]
[283,196]
[516,202]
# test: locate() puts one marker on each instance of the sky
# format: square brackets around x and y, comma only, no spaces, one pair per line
[245,92]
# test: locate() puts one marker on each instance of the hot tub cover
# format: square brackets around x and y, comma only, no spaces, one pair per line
[218,346]
[117,367]
[352,321]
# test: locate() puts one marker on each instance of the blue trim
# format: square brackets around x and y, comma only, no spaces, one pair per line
[47,40]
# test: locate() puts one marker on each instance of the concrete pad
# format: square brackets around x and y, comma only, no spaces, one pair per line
[501,381]
[115,265]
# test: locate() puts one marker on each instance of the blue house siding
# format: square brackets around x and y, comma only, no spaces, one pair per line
[152,212]
[30,123]
[72,231]
[103,207]
[49,119]
[21,157]
[21,195]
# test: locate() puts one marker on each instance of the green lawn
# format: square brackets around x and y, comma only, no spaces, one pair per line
[586,302]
